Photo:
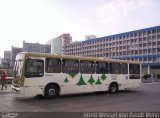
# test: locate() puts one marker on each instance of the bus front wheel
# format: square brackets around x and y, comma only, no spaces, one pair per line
[51,91]
[113,88]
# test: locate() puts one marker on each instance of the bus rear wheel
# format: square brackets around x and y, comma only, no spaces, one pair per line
[113,88]
[51,91]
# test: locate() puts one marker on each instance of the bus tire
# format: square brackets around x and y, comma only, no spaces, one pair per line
[113,88]
[51,91]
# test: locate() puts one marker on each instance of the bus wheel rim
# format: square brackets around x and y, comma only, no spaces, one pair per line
[113,88]
[52,92]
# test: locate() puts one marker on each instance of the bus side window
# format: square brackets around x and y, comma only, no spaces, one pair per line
[53,65]
[134,69]
[124,68]
[87,67]
[115,68]
[102,68]
[70,66]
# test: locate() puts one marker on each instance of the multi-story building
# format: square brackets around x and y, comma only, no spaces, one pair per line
[14,52]
[58,43]
[141,45]
[7,55]
[1,62]
[7,58]
[36,47]
[87,37]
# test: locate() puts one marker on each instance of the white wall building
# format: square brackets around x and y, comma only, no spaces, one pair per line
[58,43]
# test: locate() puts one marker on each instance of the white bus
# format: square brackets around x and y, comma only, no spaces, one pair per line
[51,75]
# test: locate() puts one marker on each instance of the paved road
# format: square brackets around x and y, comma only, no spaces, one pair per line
[146,98]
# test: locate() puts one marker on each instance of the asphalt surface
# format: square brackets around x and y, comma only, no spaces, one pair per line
[144,99]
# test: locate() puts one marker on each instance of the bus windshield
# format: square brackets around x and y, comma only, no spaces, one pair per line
[17,70]
[34,68]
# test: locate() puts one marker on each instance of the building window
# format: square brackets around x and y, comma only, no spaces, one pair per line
[154,50]
[149,32]
[144,33]
[145,58]
[145,44]
[154,59]
[145,51]
[140,45]
[149,44]
[136,52]
[149,58]
[153,43]
[149,50]
[153,31]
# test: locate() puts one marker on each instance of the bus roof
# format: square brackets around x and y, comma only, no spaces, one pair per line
[56,55]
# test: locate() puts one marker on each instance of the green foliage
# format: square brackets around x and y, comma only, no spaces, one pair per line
[158,76]
[146,76]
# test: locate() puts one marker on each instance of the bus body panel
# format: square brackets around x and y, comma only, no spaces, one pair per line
[33,87]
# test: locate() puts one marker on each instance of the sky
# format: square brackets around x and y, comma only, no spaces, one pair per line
[41,20]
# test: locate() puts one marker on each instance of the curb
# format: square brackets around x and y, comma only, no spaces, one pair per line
[150,83]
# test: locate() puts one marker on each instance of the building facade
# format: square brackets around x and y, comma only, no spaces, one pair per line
[87,37]
[2,62]
[58,43]
[36,47]
[7,58]
[140,45]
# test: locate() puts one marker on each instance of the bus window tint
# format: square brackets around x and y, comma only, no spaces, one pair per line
[34,68]
[134,69]
[70,66]
[115,68]
[53,65]
[124,68]
[102,68]
[87,67]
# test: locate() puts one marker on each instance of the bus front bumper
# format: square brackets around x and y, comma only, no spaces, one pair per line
[15,89]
